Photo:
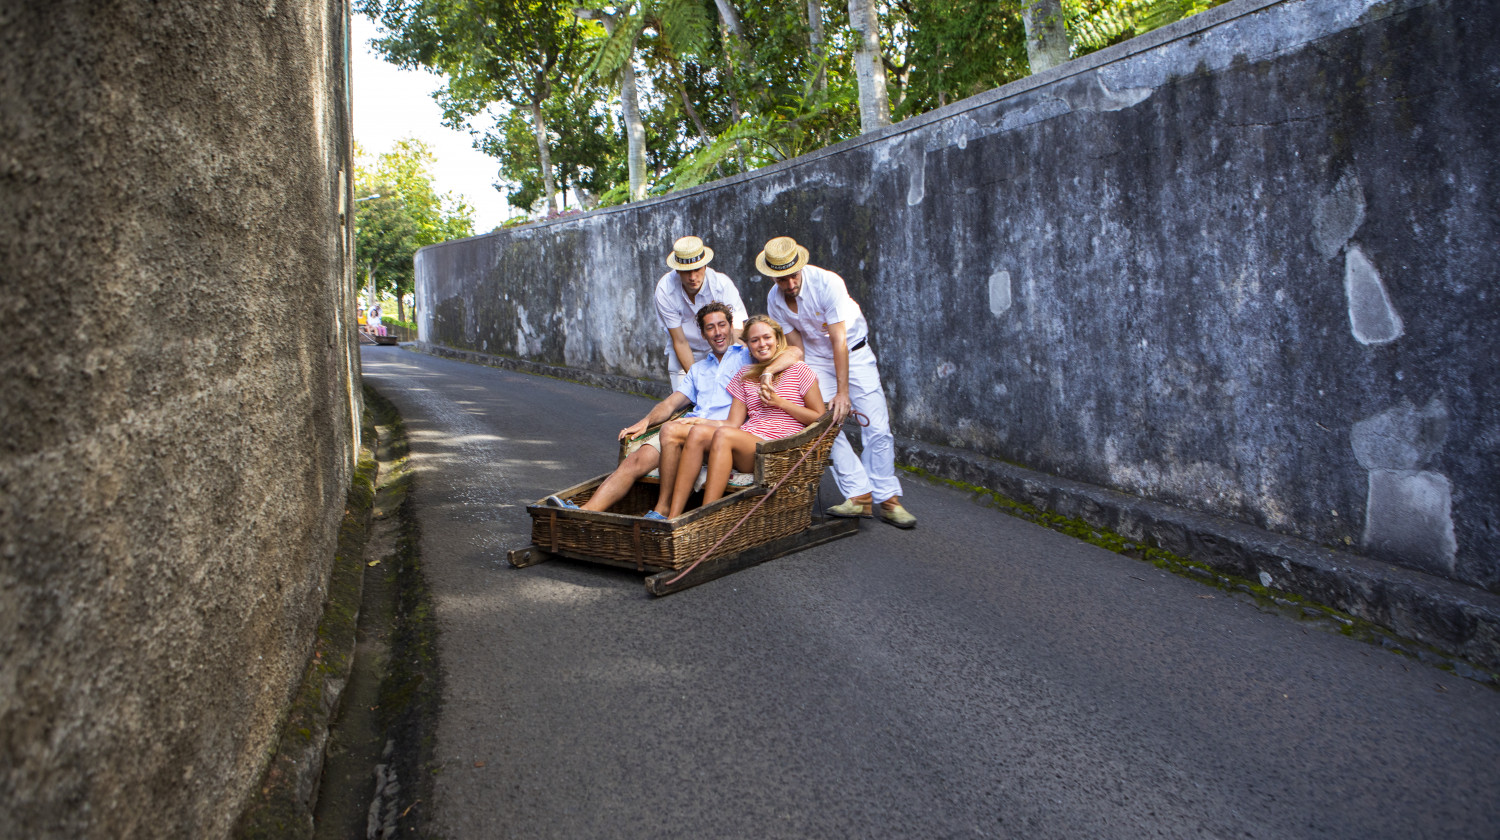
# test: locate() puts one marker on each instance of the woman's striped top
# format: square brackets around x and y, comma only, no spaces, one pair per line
[766,421]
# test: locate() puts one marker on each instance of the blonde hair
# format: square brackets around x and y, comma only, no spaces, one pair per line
[759,368]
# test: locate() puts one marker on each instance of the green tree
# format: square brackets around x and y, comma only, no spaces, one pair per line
[773,79]
[955,49]
[397,211]
[1095,24]
[682,30]
[514,52]
[586,157]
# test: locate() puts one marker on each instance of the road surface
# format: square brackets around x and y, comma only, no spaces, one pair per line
[979,676]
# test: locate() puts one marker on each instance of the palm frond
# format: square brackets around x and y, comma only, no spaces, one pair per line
[616,49]
[684,24]
[1095,24]
[754,137]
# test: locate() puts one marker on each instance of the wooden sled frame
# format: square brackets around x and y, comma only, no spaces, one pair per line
[780,525]
[663,583]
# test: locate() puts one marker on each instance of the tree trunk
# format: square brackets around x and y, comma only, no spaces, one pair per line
[735,53]
[1046,38]
[874,104]
[544,155]
[731,20]
[630,107]
[815,38]
[635,130]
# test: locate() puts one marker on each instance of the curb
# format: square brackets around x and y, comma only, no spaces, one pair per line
[284,801]
[292,784]
[1456,620]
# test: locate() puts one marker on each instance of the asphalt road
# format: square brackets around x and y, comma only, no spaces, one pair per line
[977,677]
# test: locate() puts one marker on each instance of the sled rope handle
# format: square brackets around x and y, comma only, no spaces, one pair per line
[860,418]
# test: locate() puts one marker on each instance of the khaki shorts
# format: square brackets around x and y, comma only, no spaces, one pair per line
[652,440]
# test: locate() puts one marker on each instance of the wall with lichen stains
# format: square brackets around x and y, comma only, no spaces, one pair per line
[1243,265]
[178,396]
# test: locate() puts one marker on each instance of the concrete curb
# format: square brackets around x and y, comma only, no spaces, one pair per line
[284,802]
[1454,619]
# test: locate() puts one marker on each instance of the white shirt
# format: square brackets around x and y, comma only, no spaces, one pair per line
[824,300]
[673,309]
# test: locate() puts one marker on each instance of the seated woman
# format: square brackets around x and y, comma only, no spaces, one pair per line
[769,408]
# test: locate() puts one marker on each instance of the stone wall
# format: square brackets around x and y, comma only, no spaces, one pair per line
[1242,265]
[176,398]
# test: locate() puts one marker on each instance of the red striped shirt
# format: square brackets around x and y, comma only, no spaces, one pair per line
[768,421]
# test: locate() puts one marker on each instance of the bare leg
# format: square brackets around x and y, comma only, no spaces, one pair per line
[614,488]
[673,436]
[731,447]
[688,465]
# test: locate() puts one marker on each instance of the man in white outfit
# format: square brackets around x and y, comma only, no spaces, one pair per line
[680,293]
[814,307]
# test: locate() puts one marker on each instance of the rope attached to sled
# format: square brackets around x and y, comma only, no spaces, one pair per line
[859,417]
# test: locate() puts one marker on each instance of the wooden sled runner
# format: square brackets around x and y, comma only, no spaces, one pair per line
[733,532]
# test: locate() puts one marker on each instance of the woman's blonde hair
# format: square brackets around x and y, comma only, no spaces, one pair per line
[758,368]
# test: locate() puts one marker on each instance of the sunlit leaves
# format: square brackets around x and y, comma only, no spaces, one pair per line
[397,211]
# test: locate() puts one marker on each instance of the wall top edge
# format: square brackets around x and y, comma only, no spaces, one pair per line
[1178,31]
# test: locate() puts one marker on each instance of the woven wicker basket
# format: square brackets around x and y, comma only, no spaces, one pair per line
[622,537]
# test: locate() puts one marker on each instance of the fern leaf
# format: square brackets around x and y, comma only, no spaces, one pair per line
[684,25]
[617,49]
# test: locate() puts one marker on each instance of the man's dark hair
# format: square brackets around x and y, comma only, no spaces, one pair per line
[715,307]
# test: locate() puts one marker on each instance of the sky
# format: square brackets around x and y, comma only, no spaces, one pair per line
[391,104]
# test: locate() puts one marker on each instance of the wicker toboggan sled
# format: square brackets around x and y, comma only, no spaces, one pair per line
[741,529]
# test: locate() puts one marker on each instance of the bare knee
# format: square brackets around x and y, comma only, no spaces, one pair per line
[700,436]
[640,462]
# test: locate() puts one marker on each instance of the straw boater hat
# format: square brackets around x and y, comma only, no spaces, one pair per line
[689,253]
[781,257]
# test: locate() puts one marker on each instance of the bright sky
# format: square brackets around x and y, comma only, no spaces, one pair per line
[391,104]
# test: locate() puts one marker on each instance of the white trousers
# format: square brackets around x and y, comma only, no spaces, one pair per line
[677,377]
[874,469]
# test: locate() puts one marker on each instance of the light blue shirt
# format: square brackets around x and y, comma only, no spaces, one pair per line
[707,382]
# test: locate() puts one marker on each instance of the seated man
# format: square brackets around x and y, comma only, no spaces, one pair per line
[705,387]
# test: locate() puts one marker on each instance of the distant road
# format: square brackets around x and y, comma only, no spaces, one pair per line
[976,677]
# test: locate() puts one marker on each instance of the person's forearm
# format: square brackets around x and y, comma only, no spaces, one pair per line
[659,413]
[801,413]
[841,367]
[838,340]
[785,359]
[682,351]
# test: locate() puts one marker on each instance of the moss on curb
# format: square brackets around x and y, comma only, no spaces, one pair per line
[1288,604]
[286,799]
[411,688]
[282,805]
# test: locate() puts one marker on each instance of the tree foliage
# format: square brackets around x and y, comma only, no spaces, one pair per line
[397,211]
[1095,24]
[717,86]
[515,52]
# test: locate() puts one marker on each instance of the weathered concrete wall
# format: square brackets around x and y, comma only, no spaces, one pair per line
[175,399]
[1242,265]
